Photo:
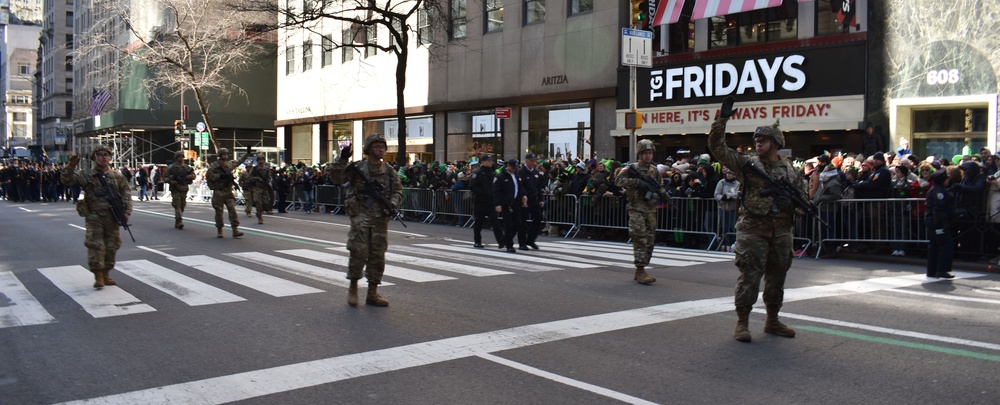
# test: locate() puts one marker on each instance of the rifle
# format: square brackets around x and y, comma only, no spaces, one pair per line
[375,190]
[228,174]
[782,188]
[116,204]
[651,186]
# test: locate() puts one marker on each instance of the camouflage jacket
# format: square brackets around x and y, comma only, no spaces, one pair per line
[754,205]
[635,189]
[220,177]
[179,176]
[357,201]
[94,195]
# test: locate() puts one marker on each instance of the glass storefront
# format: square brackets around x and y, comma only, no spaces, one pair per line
[757,26]
[946,133]
[558,131]
[472,133]
[302,144]
[419,137]
[338,135]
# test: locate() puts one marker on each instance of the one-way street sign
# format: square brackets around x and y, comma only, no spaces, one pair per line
[637,48]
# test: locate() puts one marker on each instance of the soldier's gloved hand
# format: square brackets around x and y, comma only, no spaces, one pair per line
[784,203]
[74,159]
[727,109]
[346,151]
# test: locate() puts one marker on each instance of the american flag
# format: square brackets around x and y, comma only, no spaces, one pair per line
[98,101]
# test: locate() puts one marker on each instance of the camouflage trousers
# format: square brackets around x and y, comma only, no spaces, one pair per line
[225,200]
[102,242]
[642,230]
[249,197]
[178,199]
[367,241]
[767,256]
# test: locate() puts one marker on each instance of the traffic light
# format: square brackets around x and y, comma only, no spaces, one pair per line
[633,120]
[639,11]
[178,127]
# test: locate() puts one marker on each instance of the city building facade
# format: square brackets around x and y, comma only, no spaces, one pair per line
[54,89]
[18,56]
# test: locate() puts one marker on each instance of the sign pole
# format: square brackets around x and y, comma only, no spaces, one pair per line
[631,105]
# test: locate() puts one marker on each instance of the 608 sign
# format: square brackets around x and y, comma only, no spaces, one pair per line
[944,76]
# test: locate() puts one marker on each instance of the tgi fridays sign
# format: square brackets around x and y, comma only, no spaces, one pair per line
[820,71]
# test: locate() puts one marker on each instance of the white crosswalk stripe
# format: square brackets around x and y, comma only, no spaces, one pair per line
[265,283]
[17,306]
[418,263]
[77,282]
[177,285]
[390,270]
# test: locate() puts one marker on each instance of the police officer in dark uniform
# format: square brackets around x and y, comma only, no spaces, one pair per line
[507,199]
[532,183]
[940,214]
[481,186]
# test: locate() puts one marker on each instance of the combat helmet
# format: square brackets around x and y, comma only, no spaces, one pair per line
[100,147]
[371,139]
[643,146]
[221,151]
[773,132]
[178,154]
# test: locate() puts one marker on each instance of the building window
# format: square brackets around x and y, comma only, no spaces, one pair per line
[371,40]
[681,33]
[69,18]
[829,20]
[457,22]
[580,6]
[346,51]
[419,136]
[69,84]
[326,51]
[289,60]
[69,109]
[20,130]
[558,131]
[23,69]
[754,27]
[493,10]
[69,63]
[19,117]
[534,11]
[424,26]
[69,41]
[473,133]
[397,26]
[307,55]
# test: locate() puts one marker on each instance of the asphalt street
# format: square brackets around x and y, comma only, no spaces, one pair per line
[263,319]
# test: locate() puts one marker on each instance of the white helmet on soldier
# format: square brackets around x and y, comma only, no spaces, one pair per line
[372,139]
[643,146]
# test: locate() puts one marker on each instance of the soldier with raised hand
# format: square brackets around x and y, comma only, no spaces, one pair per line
[179,176]
[368,238]
[221,180]
[101,186]
[766,220]
[259,181]
[643,192]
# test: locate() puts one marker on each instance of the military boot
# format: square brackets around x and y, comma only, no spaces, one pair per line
[98,279]
[236,232]
[373,297]
[642,278]
[107,279]
[742,324]
[220,233]
[178,224]
[773,326]
[352,294]
[260,218]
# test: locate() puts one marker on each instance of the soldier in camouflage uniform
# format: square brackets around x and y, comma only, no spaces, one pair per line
[369,235]
[179,176]
[764,228]
[259,185]
[221,180]
[103,239]
[642,203]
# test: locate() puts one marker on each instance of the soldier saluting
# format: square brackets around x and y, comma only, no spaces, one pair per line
[766,220]
[369,235]
[105,191]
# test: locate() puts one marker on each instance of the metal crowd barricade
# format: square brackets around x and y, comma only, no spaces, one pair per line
[687,215]
[892,220]
[418,202]
[456,205]
[602,212]
[563,210]
[330,195]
